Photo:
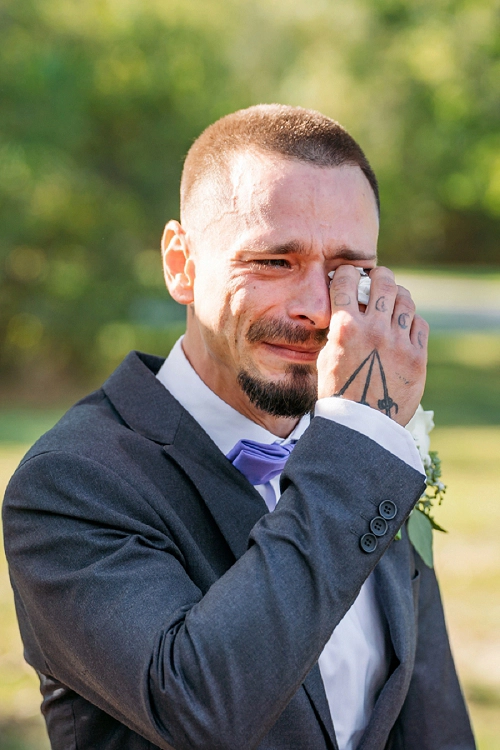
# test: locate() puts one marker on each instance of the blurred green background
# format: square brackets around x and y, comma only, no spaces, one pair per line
[100,101]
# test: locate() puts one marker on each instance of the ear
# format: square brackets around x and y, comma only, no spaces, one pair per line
[178,266]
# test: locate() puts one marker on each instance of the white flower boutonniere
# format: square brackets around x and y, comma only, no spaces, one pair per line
[421,521]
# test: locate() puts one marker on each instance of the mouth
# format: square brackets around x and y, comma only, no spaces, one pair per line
[286,343]
[294,352]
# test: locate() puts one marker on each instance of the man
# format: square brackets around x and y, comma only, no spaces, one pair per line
[161,602]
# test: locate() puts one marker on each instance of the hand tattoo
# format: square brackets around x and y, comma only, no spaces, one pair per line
[402,320]
[380,304]
[341,299]
[386,403]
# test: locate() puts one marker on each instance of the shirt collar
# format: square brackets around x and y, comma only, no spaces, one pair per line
[223,424]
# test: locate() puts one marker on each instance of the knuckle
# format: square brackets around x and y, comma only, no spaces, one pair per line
[383,271]
[406,304]
[343,324]
[385,280]
[377,333]
[424,324]
[387,285]
[413,354]
[388,278]
[418,364]
[345,275]
[340,280]
[403,291]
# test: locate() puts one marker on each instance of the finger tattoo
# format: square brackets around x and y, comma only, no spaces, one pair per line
[380,304]
[341,299]
[403,320]
[421,339]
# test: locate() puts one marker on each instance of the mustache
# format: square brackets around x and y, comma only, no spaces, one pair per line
[270,329]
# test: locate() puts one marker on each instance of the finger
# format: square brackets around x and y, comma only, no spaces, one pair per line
[404,311]
[383,292]
[344,289]
[419,333]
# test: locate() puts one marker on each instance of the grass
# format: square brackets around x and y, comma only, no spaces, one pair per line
[21,725]
[468,565]
[463,379]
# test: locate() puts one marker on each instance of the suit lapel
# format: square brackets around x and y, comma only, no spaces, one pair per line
[234,504]
[149,409]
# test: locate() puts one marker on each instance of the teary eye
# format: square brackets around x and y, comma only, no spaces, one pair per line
[272,262]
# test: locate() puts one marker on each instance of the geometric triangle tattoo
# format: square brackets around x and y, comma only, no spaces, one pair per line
[384,404]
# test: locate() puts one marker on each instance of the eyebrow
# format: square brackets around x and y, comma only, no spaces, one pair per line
[298,248]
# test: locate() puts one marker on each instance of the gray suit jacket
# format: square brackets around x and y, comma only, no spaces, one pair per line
[163,607]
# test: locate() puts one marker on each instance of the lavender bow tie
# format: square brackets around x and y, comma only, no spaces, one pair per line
[259,462]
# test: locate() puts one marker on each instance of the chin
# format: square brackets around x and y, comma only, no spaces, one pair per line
[292,395]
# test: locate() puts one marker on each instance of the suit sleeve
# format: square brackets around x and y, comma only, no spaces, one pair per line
[106,588]
[434,715]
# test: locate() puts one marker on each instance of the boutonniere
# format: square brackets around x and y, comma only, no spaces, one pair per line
[421,522]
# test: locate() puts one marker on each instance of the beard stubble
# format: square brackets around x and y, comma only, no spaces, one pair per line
[297,393]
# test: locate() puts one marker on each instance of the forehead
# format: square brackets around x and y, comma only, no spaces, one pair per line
[271,195]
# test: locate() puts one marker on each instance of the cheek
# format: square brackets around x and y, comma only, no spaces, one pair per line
[229,307]
[247,305]
[210,295]
[253,300]
[235,311]
[220,307]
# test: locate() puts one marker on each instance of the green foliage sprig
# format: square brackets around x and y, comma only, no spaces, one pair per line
[421,522]
[435,491]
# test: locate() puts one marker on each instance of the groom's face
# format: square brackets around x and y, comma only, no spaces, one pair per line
[261,307]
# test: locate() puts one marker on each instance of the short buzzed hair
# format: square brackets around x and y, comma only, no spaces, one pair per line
[292,132]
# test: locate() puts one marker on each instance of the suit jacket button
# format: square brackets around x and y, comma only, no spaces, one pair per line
[387,509]
[368,543]
[378,526]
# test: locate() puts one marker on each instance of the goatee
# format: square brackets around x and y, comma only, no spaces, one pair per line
[297,393]
[292,398]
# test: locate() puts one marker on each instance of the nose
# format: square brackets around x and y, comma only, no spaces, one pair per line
[310,299]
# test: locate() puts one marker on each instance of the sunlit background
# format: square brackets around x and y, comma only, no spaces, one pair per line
[99,102]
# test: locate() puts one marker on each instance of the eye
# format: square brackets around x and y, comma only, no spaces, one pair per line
[271,262]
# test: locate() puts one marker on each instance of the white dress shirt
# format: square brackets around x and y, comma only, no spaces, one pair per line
[354,663]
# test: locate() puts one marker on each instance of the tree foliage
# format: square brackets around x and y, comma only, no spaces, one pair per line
[100,100]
